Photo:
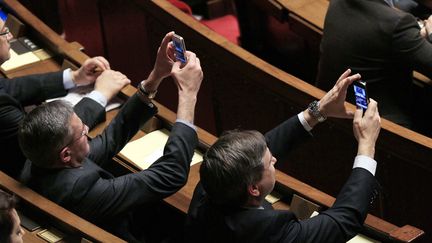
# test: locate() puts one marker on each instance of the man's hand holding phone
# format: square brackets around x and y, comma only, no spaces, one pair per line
[366,127]
[172,49]
[163,65]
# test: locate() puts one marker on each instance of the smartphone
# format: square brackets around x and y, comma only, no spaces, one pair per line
[360,92]
[179,48]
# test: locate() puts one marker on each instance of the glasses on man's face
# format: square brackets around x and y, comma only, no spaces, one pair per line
[84,132]
[5,31]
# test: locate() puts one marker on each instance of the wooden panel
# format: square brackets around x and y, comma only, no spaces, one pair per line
[313,11]
[62,217]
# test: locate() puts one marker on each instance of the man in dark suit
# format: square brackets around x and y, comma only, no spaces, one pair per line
[30,90]
[67,168]
[238,173]
[385,45]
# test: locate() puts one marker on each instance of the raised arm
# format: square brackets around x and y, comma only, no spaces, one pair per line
[346,217]
[188,80]
[169,173]
[284,137]
[332,103]
[137,110]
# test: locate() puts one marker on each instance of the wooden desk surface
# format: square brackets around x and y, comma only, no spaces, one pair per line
[313,11]
[49,65]
[31,237]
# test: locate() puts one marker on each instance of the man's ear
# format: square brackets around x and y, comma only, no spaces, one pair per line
[253,190]
[65,155]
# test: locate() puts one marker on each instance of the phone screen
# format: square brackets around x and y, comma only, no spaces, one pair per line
[3,15]
[360,93]
[179,48]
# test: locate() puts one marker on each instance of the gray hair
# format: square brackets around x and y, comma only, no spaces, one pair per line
[232,164]
[44,131]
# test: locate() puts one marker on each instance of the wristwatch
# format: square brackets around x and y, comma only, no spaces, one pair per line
[313,109]
[150,95]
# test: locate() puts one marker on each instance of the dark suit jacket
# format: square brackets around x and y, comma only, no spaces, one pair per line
[32,90]
[208,222]
[381,43]
[95,194]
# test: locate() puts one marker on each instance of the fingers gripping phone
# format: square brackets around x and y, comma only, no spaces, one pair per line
[360,92]
[179,48]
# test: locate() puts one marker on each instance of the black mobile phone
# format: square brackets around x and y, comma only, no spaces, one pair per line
[360,92]
[179,48]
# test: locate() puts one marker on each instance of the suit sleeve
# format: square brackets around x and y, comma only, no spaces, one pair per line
[111,197]
[344,219]
[285,136]
[34,89]
[410,46]
[90,112]
[122,128]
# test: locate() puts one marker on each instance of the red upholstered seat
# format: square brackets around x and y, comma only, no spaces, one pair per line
[226,26]
[182,6]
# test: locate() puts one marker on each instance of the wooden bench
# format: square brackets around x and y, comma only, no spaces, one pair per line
[50,215]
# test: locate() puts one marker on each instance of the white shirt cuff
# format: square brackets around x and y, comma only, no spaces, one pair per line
[187,124]
[67,79]
[98,97]
[365,162]
[303,121]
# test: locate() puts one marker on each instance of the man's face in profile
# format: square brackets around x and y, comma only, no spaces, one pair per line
[5,37]
[267,182]
[78,145]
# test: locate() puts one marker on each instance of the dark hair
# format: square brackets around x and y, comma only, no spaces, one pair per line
[7,203]
[44,131]
[232,164]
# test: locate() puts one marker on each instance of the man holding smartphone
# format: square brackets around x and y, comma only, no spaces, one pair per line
[238,172]
[68,169]
[33,89]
